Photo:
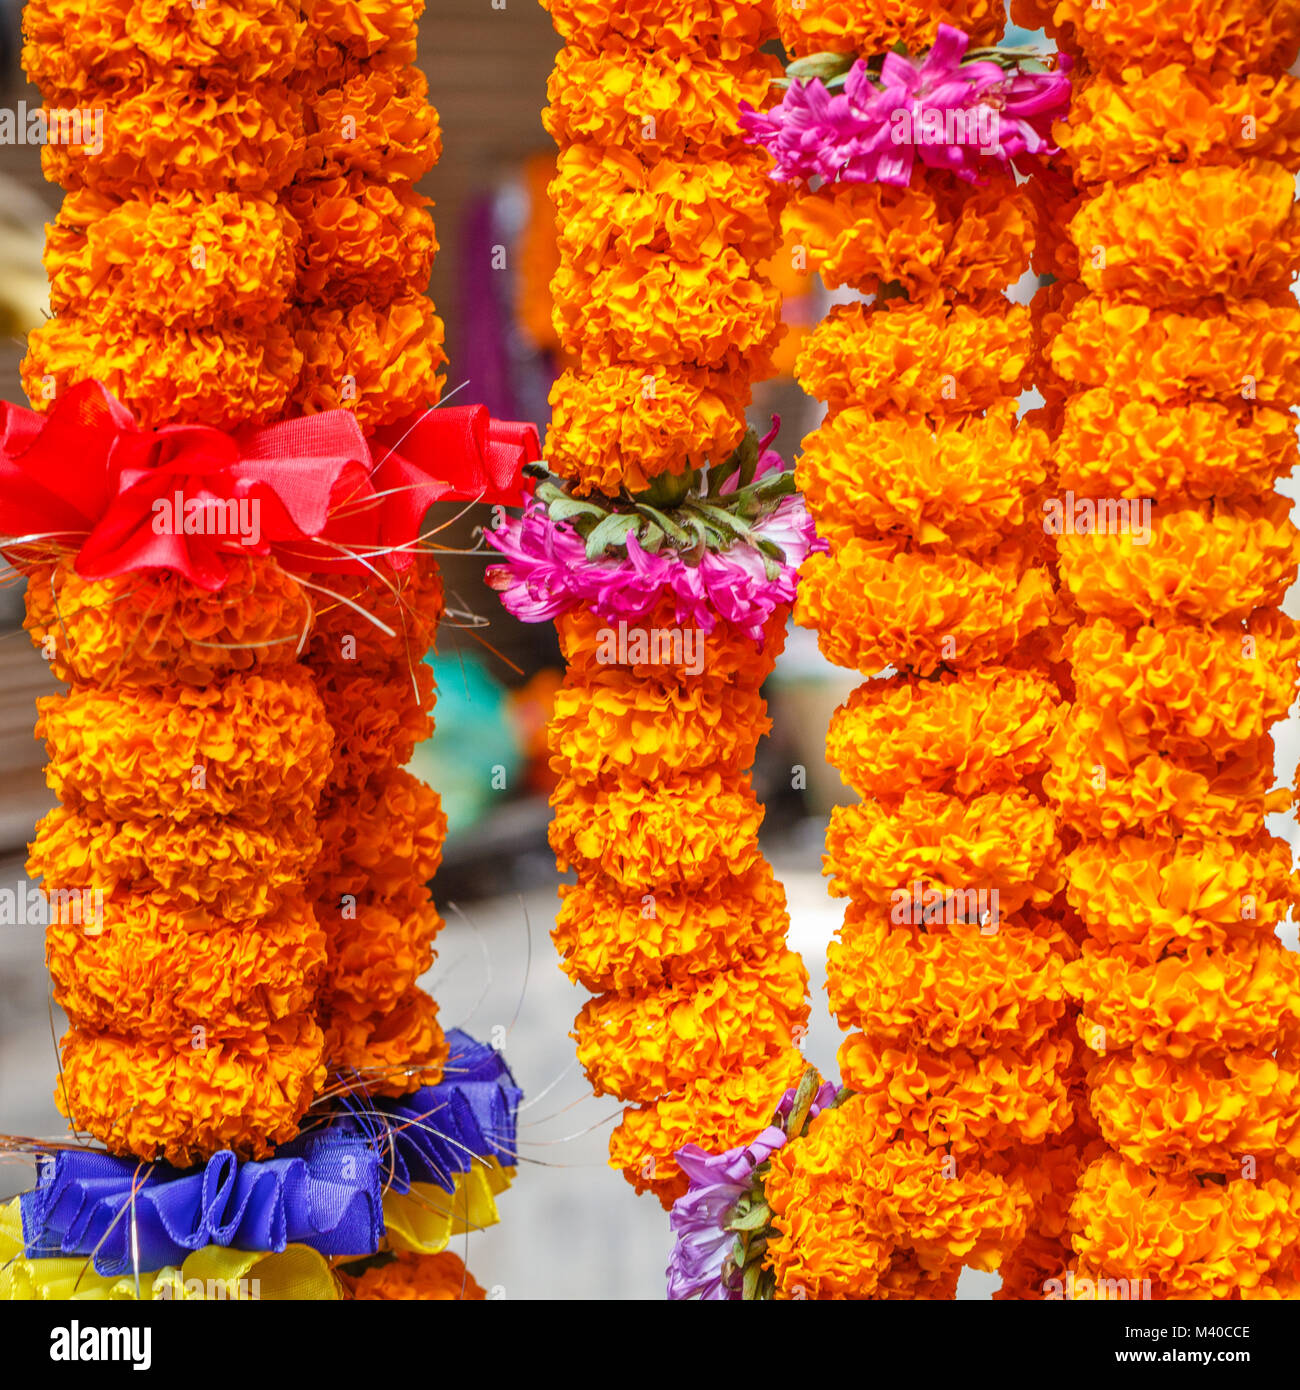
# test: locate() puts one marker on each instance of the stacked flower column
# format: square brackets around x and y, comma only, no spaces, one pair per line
[1180,353]
[191,749]
[372,343]
[664,217]
[928,490]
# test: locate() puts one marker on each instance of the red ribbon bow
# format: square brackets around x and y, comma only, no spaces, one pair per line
[189,497]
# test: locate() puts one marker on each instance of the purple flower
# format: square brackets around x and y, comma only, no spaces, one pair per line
[947,113]
[699,1266]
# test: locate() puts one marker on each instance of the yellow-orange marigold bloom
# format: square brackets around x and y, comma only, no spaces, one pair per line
[157,629]
[382,364]
[980,731]
[363,26]
[935,234]
[187,130]
[1244,350]
[1003,840]
[427,1278]
[152,973]
[234,871]
[377,720]
[391,1052]
[611,941]
[715,1112]
[875,604]
[263,745]
[1185,233]
[224,376]
[1112,447]
[683,831]
[962,480]
[655,102]
[379,947]
[70,47]
[607,723]
[726,29]
[408,601]
[622,426]
[640,1045]
[376,121]
[246,1091]
[1187,689]
[1143,897]
[851,26]
[927,357]
[1178,115]
[1202,562]
[1246,35]
[361,240]
[107,257]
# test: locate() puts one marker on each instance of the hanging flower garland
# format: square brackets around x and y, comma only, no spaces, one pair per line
[1186,242]
[927,488]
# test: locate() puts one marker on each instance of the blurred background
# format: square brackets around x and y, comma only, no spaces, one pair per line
[571,1228]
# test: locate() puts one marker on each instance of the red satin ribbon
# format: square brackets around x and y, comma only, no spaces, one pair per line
[312,489]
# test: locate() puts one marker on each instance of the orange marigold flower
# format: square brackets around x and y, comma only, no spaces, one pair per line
[715,1112]
[928,357]
[996,840]
[962,480]
[610,941]
[408,601]
[684,831]
[1203,1112]
[1213,998]
[379,947]
[654,102]
[641,1045]
[224,377]
[1202,562]
[1188,689]
[935,234]
[1178,115]
[608,723]
[1112,447]
[390,1052]
[244,1091]
[1105,787]
[875,604]
[235,871]
[189,130]
[376,121]
[377,720]
[612,207]
[1245,350]
[715,312]
[104,256]
[980,731]
[622,426]
[727,29]
[1249,34]
[377,837]
[1193,1239]
[911,986]
[363,26]
[382,364]
[1185,233]
[152,973]
[855,27]
[263,745]
[1145,897]
[157,629]
[70,48]
[361,240]
[428,1278]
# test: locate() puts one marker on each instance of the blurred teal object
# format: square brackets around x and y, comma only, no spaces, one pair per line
[474,759]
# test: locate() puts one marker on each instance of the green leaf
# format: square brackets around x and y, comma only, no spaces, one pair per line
[613,531]
[755,1219]
[566,508]
[749,1287]
[820,65]
[669,527]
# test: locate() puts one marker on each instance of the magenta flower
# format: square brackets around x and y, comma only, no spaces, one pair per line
[699,1266]
[947,113]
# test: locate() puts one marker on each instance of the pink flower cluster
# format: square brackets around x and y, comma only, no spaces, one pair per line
[946,113]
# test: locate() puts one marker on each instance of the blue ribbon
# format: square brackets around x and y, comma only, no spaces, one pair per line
[324,1189]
